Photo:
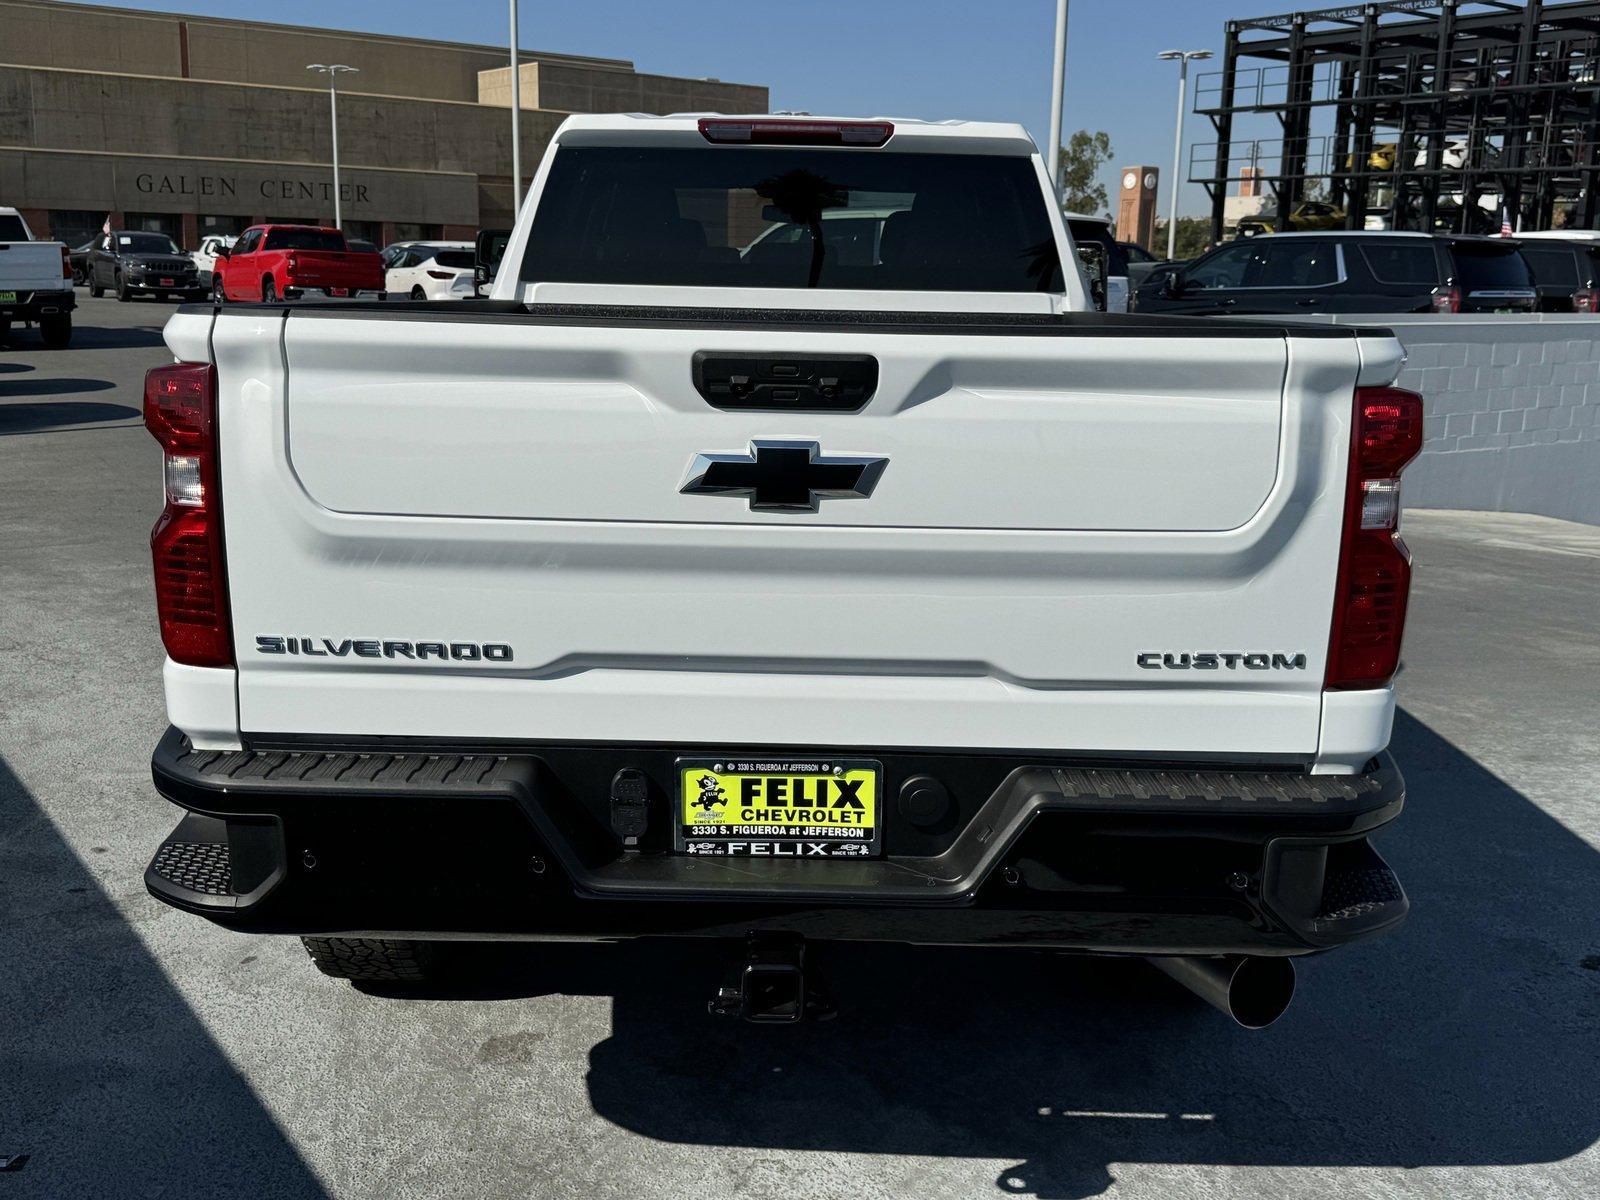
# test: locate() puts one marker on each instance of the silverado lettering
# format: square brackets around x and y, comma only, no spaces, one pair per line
[384,648]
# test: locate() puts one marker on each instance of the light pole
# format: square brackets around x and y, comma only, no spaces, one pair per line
[1058,83]
[333,71]
[1183,57]
[516,121]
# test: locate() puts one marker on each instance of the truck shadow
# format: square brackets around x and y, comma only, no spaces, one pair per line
[1468,1037]
[21,417]
[108,1081]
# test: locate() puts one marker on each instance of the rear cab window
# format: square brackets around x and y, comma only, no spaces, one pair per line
[1552,266]
[305,239]
[792,217]
[12,229]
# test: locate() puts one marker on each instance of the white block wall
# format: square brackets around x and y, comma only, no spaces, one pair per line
[1512,407]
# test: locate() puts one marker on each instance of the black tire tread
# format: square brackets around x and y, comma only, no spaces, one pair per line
[386,959]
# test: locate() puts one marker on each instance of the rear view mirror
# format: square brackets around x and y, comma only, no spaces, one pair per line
[490,249]
[1092,257]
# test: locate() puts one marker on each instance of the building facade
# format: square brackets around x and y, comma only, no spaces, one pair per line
[194,125]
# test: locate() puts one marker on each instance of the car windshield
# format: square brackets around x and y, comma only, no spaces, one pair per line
[305,239]
[793,218]
[1489,267]
[145,243]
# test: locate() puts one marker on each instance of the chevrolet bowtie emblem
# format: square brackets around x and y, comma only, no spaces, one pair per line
[783,476]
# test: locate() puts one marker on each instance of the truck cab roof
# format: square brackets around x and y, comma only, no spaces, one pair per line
[906,133]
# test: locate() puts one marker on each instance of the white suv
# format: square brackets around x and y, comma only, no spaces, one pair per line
[430,270]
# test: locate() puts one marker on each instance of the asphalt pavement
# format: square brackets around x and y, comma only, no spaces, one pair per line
[144,1052]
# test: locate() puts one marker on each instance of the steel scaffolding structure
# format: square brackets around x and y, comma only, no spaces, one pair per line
[1443,112]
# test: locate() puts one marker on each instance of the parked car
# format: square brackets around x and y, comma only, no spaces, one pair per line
[78,256]
[283,262]
[912,602]
[131,262]
[35,283]
[1140,263]
[205,258]
[431,271]
[1566,268]
[1348,271]
[1087,228]
[1308,214]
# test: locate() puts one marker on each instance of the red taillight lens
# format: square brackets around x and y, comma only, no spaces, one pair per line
[1586,301]
[66,263]
[441,275]
[793,132]
[1447,299]
[186,543]
[1369,605]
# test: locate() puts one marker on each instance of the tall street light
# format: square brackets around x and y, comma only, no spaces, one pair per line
[1058,79]
[516,121]
[333,71]
[1183,57]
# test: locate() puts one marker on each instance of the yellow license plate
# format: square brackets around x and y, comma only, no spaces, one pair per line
[779,808]
[8,297]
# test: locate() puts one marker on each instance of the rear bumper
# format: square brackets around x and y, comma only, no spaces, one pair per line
[30,306]
[446,844]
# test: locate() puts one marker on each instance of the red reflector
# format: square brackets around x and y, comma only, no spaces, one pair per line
[1586,301]
[1374,581]
[186,543]
[790,132]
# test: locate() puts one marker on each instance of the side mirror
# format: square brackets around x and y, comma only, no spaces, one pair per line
[489,250]
[1172,285]
[1092,257]
[224,252]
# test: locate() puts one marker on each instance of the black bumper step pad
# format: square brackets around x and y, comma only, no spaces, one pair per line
[202,867]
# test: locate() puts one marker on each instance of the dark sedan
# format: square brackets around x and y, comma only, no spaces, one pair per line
[132,262]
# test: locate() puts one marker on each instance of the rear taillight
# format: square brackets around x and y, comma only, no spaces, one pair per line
[441,275]
[186,543]
[1369,604]
[1586,301]
[788,131]
[66,263]
[1447,299]
[293,262]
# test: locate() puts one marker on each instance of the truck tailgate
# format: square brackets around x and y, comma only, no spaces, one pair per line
[1060,500]
[31,267]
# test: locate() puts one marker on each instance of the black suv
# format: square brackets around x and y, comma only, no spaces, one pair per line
[1347,271]
[1566,271]
[130,261]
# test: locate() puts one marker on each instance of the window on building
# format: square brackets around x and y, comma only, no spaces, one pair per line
[214,226]
[365,231]
[410,232]
[170,224]
[75,227]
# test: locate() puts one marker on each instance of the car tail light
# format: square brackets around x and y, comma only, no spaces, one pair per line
[186,543]
[1369,604]
[293,262]
[1586,301]
[1447,299]
[66,263]
[793,132]
[441,275]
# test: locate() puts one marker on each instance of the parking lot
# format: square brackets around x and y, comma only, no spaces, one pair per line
[147,1053]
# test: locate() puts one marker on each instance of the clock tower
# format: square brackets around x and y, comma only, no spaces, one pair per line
[1136,204]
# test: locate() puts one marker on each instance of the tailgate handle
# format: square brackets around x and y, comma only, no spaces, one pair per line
[785,382]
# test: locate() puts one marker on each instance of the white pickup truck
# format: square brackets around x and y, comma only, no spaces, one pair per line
[737,572]
[35,283]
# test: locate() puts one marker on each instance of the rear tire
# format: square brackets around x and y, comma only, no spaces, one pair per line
[56,331]
[269,292]
[418,294]
[375,959]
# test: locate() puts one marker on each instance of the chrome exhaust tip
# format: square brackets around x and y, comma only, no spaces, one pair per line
[1253,990]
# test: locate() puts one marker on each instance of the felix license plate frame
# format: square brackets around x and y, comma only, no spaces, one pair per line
[743,806]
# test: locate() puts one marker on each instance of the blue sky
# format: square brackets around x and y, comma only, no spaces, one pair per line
[982,59]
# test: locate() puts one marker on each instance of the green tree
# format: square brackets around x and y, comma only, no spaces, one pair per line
[1194,235]
[1081,159]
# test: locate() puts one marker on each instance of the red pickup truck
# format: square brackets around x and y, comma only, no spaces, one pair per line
[282,262]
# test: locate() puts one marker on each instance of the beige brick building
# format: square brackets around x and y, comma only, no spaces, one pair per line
[190,125]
